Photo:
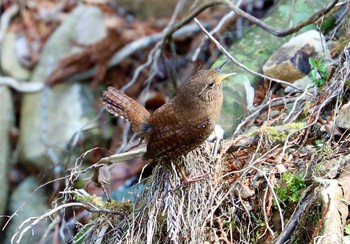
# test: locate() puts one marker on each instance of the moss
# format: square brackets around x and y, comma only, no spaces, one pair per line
[280,133]
[124,206]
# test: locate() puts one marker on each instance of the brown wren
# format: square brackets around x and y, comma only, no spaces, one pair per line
[180,125]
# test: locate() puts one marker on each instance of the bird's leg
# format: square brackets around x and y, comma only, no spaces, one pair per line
[179,169]
[185,178]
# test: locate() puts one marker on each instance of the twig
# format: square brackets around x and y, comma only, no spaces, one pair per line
[278,32]
[136,46]
[288,118]
[189,17]
[159,38]
[321,221]
[222,23]
[38,219]
[21,86]
[304,203]
[266,219]
[30,195]
[273,103]
[90,208]
[274,195]
[48,230]
[154,54]
[224,51]
[116,158]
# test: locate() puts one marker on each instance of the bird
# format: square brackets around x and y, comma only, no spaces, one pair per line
[181,124]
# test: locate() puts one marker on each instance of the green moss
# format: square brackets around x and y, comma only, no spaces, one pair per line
[123,206]
[280,133]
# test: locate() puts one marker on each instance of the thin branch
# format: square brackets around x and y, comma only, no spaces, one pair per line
[273,193]
[21,86]
[304,204]
[38,219]
[284,32]
[116,158]
[135,46]
[189,18]
[222,23]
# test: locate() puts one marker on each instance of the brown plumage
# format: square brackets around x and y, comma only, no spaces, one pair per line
[180,125]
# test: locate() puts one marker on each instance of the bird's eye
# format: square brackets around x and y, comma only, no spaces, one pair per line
[210,85]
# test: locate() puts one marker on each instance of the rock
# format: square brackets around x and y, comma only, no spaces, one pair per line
[9,61]
[300,83]
[50,119]
[6,122]
[252,50]
[28,204]
[291,61]
[343,117]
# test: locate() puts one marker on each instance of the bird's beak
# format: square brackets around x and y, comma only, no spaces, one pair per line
[220,78]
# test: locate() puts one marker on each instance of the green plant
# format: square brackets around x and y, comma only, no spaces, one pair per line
[80,237]
[319,144]
[318,73]
[289,191]
[347,229]
[347,82]
[230,224]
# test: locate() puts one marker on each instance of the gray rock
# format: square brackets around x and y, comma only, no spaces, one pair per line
[300,83]
[343,117]
[50,119]
[9,60]
[291,61]
[6,122]
[28,204]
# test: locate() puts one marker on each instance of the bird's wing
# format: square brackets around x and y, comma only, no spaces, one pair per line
[173,135]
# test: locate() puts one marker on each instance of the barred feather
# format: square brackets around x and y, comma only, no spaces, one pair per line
[122,106]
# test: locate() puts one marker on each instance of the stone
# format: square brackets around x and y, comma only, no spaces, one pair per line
[26,204]
[301,84]
[343,117]
[51,118]
[9,61]
[291,61]
[6,123]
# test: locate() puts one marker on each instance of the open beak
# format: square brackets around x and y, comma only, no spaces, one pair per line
[220,78]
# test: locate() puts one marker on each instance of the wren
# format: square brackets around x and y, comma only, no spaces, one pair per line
[180,125]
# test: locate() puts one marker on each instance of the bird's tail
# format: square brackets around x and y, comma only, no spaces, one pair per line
[121,105]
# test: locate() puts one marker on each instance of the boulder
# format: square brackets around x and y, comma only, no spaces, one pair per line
[27,201]
[51,118]
[291,61]
[9,60]
[6,122]
[343,117]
